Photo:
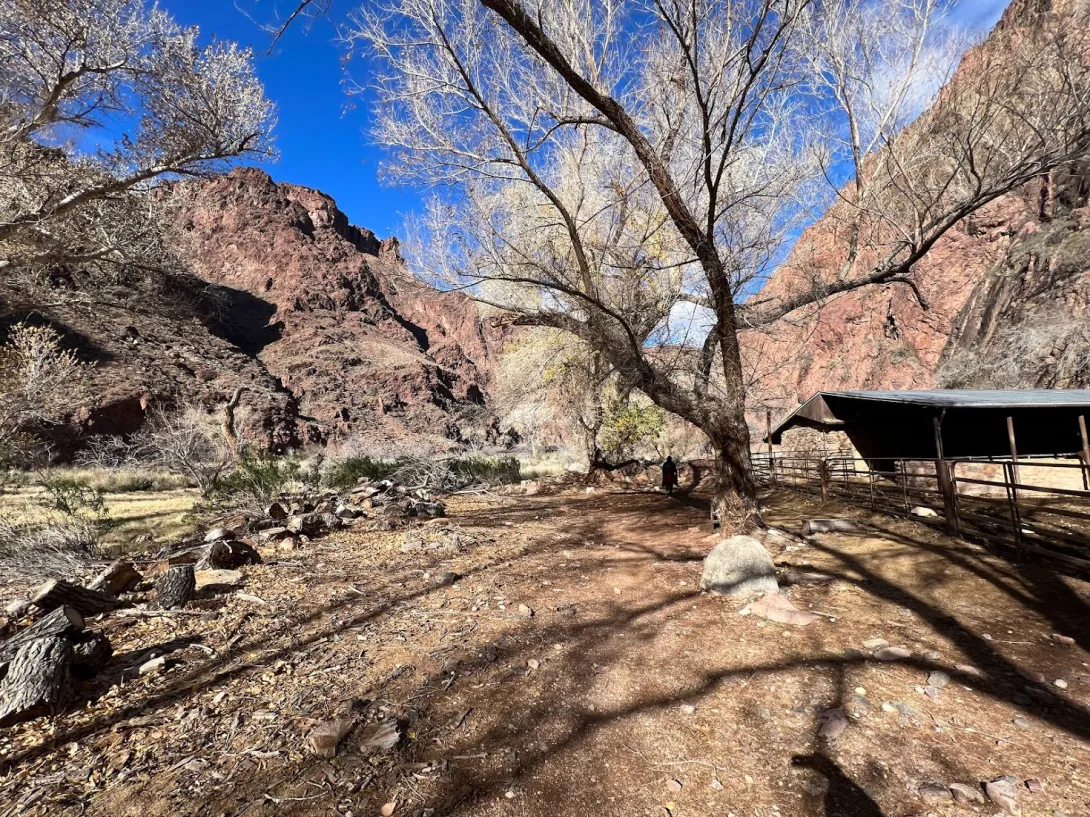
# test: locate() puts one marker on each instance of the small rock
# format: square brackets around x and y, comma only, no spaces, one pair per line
[934,693]
[1003,791]
[833,724]
[987,637]
[924,513]
[1035,786]
[154,665]
[932,655]
[1036,677]
[966,669]
[934,793]
[938,679]
[853,654]
[1063,639]
[446,578]
[739,566]
[1022,723]
[388,809]
[888,707]
[715,785]
[276,511]
[674,786]
[857,707]
[1060,683]
[812,526]
[533,663]
[892,654]
[525,611]
[687,709]
[875,643]
[966,795]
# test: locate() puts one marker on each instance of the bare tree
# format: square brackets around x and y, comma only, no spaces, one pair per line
[614,161]
[100,99]
[40,384]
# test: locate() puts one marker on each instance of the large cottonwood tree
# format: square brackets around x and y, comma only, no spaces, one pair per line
[606,161]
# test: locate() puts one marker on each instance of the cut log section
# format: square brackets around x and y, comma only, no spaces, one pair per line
[90,654]
[64,621]
[117,578]
[37,682]
[57,593]
[176,587]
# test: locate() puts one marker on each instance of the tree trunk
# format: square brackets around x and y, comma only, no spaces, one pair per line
[175,588]
[735,500]
[90,653]
[37,682]
[58,593]
[117,578]
[64,621]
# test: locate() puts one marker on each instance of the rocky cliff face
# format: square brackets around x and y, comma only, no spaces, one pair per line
[1015,265]
[317,319]
[331,312]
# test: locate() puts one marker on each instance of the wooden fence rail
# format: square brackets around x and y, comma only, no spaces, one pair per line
[994,502]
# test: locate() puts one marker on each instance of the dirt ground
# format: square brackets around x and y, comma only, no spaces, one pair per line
[626,692]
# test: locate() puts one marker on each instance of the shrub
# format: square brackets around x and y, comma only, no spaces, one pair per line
[257,480]
[493,470]
[52,549]
[348,472]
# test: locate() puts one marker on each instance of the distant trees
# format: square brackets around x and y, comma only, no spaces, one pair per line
[101,98]
[630,172]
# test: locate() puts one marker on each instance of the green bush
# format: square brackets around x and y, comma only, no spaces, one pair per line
[495,470]
[348,472]
[75,501]
[258,480]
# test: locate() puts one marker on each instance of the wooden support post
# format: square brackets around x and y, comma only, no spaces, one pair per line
[1014,448]
[1085,453]
[823,472]
[768,432]
[946,483]
[1012,502]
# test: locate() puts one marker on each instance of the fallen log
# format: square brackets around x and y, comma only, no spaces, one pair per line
[90,654]
[58,593]
[117,578]
[176,587]
[64,621]
[37,682]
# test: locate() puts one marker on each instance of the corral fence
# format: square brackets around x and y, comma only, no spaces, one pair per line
[1032,506]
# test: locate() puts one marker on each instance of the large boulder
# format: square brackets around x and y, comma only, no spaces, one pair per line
[739,566]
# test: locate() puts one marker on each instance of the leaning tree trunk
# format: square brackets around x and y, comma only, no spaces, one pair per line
[37,682]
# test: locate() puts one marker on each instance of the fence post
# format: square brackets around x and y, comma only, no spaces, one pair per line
[823,472]
[946,483]
[1012,501]
[1085,453]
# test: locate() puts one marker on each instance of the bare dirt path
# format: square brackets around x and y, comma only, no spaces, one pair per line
[625,692]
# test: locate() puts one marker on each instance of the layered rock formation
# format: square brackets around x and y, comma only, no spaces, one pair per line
[363,347]
[317,320]
[1012,266]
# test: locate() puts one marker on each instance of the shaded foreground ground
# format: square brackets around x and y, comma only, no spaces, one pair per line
[627,692]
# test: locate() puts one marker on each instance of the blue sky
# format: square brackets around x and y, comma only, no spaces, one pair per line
[320,135]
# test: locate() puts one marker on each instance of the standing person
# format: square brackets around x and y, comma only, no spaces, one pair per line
[669,476]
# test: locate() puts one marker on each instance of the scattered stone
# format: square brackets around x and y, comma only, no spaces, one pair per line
[833,724]
[932,655]
[853,654]
[934,693]
[1003,791]
[892,654]
[774,607]
[155,665]
[687,709]
[446,578]
[1060,683]
[875,643]
[533,664]
[938,679]
[1036,677]
[525,611]
[715,784]
[739,566]
[388,809]
[674,786]
[379,737]
[934,794]
[1035,786]
[1066,640]
[218,578]
[966,669]
[888,707]
[924,513]
[812,526]
[1022,723]
[324,738]
[966,795]
[857,707]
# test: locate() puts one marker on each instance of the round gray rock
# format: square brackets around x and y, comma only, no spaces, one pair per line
[739,566]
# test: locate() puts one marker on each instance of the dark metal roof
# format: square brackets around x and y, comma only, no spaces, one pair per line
[975,398]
